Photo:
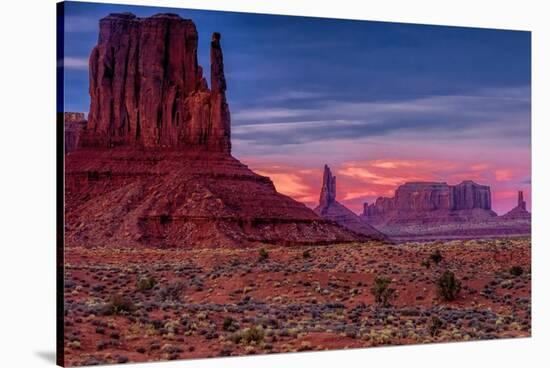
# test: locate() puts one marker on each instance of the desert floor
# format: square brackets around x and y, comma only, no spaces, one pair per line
[156,304]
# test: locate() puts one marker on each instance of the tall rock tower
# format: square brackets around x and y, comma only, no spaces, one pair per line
[328,190]
[147,89]
[520,211]
[330,209]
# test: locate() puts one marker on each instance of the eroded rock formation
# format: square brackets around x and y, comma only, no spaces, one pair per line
[147,89]
[154,166]
[329,208]
[432,202]
[520,211]
[74,124]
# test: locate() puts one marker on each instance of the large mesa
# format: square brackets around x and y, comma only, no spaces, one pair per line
[431,202]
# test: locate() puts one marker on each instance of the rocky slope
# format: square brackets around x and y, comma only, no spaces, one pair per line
[329,208]
[153,166]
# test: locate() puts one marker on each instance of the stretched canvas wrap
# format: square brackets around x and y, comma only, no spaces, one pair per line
[236,184]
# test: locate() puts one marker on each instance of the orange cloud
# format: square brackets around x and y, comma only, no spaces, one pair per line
[364,181]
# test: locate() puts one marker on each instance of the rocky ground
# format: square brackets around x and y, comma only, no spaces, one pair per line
[139,305]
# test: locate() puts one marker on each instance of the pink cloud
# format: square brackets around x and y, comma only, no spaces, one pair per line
[360,181]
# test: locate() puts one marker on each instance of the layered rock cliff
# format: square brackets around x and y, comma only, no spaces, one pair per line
[147,89]
[330,209]
[154,167]
[432,202]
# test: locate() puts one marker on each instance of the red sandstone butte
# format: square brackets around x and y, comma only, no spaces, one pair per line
[432,202]
[147,89]
[329,208]
[153,166]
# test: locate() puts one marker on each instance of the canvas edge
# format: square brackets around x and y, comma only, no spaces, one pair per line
[59,202]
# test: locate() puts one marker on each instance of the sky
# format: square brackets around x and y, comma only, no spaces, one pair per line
[381,103]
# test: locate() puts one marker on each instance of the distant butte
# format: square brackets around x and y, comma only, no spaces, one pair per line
[432,202]
[329,208]
[438,211]
[520,211]
[153,164]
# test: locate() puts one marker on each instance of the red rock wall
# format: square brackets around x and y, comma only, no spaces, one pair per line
[425,197]
[147,89]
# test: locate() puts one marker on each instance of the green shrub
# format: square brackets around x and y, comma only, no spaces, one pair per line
[436,256]
[448,286]
[383,293]
[516,271]
[146,283]
[263,254]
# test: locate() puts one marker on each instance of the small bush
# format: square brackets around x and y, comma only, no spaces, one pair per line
[146,283]
[118,304]
[383,294]
[435,325]
[436,256]
[229,324]
[263,254]
[516,271]
[172,291]
[448,286]
[248,336]
[306,254]
[426,263]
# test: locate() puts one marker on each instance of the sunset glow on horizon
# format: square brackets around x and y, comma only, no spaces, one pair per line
[358,182]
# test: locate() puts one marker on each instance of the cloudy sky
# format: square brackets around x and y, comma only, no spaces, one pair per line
[380,103]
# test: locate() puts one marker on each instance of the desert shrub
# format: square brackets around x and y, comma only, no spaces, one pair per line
[250,335]
[172,291]
[229,324]
[306,254]
[516,271]
[436,256]
[448,286]
[383,293]
[263,254]
[146,283]
[435,325]
[426,263]
[118,304]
